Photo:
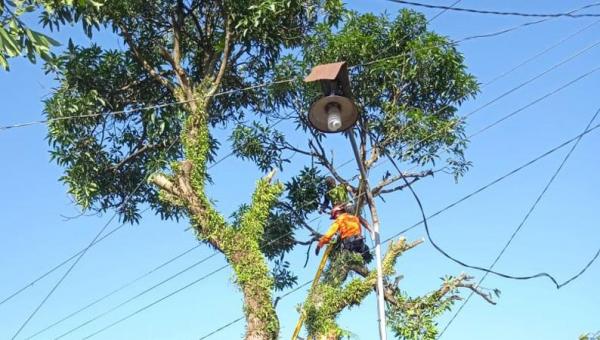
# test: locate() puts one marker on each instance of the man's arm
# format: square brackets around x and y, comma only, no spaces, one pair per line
[328,235]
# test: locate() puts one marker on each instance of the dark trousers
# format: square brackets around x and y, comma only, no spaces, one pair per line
[357,245]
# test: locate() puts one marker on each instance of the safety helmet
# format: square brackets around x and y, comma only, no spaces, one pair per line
[338,209]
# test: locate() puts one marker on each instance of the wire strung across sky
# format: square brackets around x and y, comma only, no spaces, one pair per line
[520,14]
[478,132]
[489,126]
[525,24]
[96,239]
[486,128]
[252,87]
[408,229]
[518,229]
[113,292]
[440,13]
[474,193]
[539,54]
[82,253]
[230,154]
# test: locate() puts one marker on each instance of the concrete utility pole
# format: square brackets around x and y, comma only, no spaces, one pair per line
[335,112]
[375,219]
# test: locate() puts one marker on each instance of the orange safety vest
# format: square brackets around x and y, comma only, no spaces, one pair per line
[348,225]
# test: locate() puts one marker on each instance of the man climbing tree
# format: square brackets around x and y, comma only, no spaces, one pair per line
[336,194]
[146,113]
[349,228]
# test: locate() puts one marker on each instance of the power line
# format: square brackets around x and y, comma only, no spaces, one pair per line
[509,115]
[558,286]
[222,93]
[151,107]
[223,327]
[113,292]
[516,231]
[242,317]
[146,291]
[532,79]
[39,278]
[443,11]
[537,55]
[157,301]
[520,14]
[496,181]
[549,94]
[80,256]
[468,196]
[248,88]
[188,268]
[529,23]
[513,113]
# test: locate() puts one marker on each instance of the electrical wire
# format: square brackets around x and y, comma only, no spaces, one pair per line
[513,277]
[496,181]
[222,93]
[188,268]
[537,55]
[151,107]
[113,292]
[519,110]
[523,221]
[529,23]
[80,256]
[532,79]
[248,88]
[156,301]
[466,197]
[520,14]
[53,269]
[242,317]
[440,13]
[547,95]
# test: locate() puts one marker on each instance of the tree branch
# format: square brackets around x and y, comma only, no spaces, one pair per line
[322,159]
[224,59]
[138,55]
[379,188]
[135,154]
[358,289]
[164,183]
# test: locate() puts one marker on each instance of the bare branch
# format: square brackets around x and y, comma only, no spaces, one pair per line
[324,161]
[299,217]
[379,188]
[461,281]
[473,287]
[224,59]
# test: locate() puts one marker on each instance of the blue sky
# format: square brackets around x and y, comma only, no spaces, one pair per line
[559,238]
